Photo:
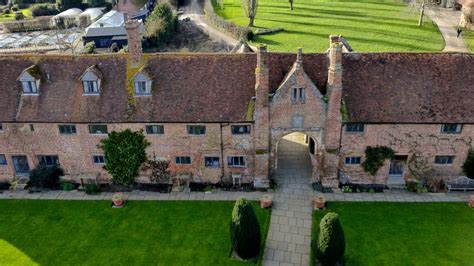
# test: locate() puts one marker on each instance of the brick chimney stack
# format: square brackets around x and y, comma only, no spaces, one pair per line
[334,93]
[134,41]
[299,58]
[262,118]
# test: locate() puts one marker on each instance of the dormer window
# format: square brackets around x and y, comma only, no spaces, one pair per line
[30,80]
[91,80]
[142,83]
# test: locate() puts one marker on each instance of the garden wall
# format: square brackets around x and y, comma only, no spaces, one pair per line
[40,23]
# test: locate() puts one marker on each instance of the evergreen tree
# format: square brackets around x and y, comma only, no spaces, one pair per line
[245,230]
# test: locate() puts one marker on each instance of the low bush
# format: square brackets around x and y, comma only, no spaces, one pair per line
[67,186]
[40,10]
[89,48]
[92,189]
[19,15]
[46,177]
[6,11]
[15,8]
[245,230]
[330,245]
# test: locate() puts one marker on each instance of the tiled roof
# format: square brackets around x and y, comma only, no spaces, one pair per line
[409,87]
[378,88]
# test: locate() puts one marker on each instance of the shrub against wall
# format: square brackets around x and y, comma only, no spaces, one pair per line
[375,157]
[468,166]
[245,230]
[329,247]
[236,31]
[125,152]
[67,4]
[46,176]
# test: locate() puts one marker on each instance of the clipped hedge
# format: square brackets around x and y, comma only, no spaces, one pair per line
[329,246]
[220,23]
[40,10]
[245,230]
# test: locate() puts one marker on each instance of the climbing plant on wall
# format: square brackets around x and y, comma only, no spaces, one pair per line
[124,154]
[375,157]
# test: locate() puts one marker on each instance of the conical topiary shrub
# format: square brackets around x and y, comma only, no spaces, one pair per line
[245,230]
[330,246]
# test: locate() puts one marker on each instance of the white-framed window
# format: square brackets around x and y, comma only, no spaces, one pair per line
[355,128]
[98,159]
[211,161]
[444,159]
[183,160]
[451,128]
[196,130]
[302,95]
[48,160]
[91,87]
[154,129]
[98,129]
[142,84]
[352,160]
[29,87]
[67,129]
[240,129]
[236,161]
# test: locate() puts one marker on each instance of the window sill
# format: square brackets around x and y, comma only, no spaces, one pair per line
[235,166]
[99,134]
[142,95]
[30,94]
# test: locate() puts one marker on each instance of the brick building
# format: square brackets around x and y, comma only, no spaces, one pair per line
[219,115]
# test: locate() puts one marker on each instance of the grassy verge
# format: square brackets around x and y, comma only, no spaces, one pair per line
[468,37]
[405,233]
[142,233]
[11,16]
[368,25]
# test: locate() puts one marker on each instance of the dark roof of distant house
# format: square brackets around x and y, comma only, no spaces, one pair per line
[378,88]
[105,31]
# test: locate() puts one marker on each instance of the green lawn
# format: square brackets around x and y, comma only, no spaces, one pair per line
[381,233]
[468,37]
[142,233]
[368,25]
[11,16]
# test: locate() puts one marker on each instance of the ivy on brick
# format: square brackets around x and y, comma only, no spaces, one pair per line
[375,157]
[124,154]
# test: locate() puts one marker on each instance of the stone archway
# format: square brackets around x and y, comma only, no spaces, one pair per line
[293,160]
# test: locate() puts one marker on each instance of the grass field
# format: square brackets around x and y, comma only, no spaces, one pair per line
[142,233]
[382,233]
[11,16]
[468,37]
[368,25]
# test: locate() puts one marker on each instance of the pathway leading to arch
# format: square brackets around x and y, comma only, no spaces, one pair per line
[289,235]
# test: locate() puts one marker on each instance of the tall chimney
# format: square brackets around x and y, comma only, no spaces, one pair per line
[134,41]
[262,118]
[334,93]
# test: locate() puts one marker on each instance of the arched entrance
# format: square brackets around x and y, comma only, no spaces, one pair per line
[293,162]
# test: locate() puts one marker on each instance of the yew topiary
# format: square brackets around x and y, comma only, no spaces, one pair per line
[245,230]
[330,246]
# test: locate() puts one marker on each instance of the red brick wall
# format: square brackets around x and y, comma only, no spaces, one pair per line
[75,151]
[407,139]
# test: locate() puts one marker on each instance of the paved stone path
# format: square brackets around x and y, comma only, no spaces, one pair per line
[448,21]
[289,235]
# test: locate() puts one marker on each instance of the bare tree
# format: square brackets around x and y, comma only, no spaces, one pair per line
[250,9]
[291,4]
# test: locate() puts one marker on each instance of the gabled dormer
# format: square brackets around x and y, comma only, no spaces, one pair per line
[297,103]
[91,81]
[142,83]
[30,80]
